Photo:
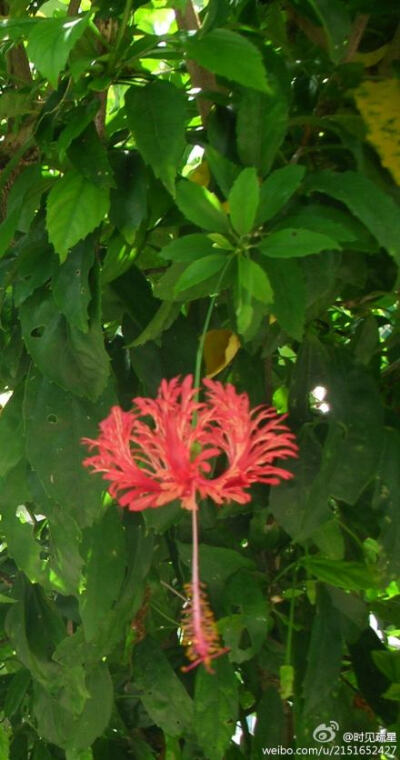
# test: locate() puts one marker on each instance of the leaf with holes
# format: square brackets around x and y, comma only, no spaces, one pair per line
[75,360]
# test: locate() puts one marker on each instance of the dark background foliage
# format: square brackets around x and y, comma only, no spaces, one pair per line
[151,160]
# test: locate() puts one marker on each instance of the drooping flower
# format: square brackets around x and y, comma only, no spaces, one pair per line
[167,448]
[154,454]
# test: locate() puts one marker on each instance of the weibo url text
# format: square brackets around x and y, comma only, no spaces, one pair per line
[336,749]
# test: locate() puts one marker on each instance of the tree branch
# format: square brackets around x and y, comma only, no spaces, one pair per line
[203,79]
[358,29]
[73,7]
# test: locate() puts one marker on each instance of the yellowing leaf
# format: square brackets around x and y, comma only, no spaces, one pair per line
[225,206]
[371,58]
[379,105]
[220,347]
[200,175]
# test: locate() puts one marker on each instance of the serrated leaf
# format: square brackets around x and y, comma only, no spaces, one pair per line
[215,708]
[162,693]
[229,55]
[89,157]
[277,189]
[324,657]
[71,288]
[366,201]
[348,575]
[156,115]
[76,123]
[75,207]
[106,559]
[200,270]
[51,41]
[11,432]
[75,360]
[128,200]
[55,423]
[243,201]
[295,243]
[379,105]
[271,724]
[59,726]
[261,127]
[201,207]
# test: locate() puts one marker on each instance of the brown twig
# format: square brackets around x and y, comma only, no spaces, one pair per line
[203,79]
[356,34]
[73,7]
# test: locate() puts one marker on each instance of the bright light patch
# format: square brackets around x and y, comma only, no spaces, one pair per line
[319,392]
[4,397]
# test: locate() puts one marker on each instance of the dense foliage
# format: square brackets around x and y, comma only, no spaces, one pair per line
[154,162]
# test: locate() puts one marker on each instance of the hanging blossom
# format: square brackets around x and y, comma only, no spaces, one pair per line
[177,447]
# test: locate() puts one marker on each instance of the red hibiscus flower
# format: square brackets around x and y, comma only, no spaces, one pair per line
[168,448]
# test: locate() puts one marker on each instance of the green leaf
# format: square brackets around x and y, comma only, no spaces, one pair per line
[128,200]
[12,447]
[255,280]
[59,726]
[188,248]
[16,692]
[105,567]
[224,170]
[89,157]
[366,201]
[371,682]
[156,116]
[270,725]
[354,442]
[301,505]
[163,695]
[289,295]
[75,360]
[200,270]
[261,127]
[334,222]
[51,41]
[4,742]
[71,290]
[75,207]
[215,708]
[324,657]
[55,422]
[76,123]
[229,55]
[277,189]
[216,563]
[243,201]
[335,19]
[291,243]
[348,575]
[18,532]
[201,207]
[164,317]
[387,486]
